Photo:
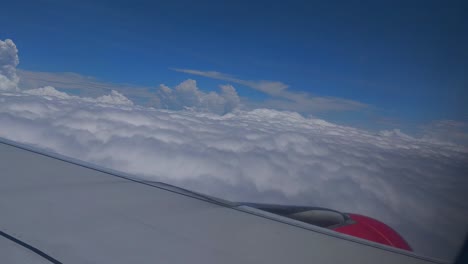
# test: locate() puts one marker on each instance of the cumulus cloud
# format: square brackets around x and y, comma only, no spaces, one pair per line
[262,155]
[8,62]
[188,95]
[185,95]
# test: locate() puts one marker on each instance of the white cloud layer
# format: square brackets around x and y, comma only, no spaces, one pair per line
[50,93]
[260,156]
[416,186]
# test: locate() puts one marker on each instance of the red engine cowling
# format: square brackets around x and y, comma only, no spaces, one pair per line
[370,229]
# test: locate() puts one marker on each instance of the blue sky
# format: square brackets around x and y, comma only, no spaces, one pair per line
[406,60]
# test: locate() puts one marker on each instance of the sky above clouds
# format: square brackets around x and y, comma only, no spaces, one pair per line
[359,63]
[360,108]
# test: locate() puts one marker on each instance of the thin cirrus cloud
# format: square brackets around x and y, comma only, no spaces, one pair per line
[281,98]
[417,186]
[70,81]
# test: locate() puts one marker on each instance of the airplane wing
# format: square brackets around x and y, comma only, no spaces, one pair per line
[55,209]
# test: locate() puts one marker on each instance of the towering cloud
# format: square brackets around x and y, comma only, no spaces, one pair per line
[8,62]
